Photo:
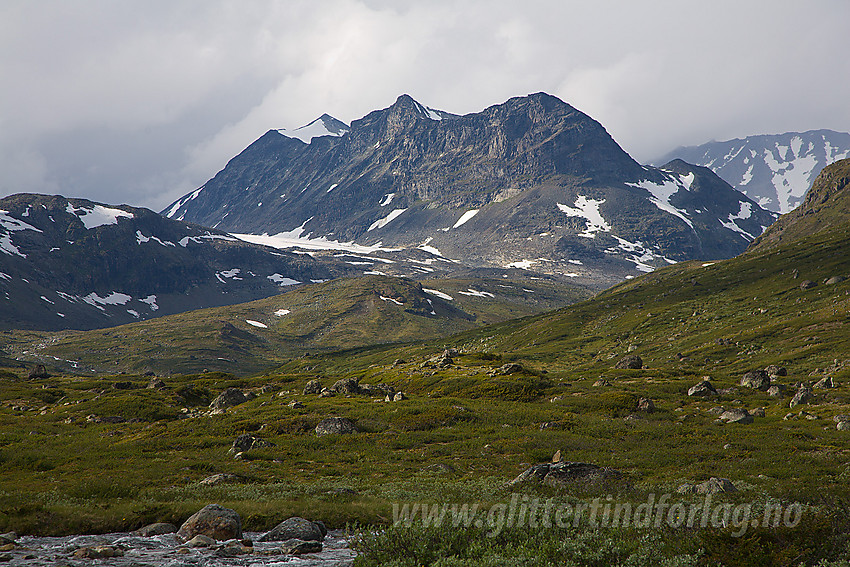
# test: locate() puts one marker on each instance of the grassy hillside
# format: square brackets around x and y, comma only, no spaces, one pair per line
[259,335]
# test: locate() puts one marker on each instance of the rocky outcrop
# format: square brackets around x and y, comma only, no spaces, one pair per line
[756,379]
[229,398]
[631,361]
[566,472]
[702,389]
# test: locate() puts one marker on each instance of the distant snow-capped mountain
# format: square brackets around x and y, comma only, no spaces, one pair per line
[75,264]
[530,183]
[773,170]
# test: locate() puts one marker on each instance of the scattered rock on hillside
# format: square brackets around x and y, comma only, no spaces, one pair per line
[802,396]
[807,284]
[213,521]
[645,404]
[601,383]
[156,384]
[313,387]
[399,396]
[824,383]
[737,415]
[843,426]
[835,279]
[220,478]
[756,379]
[631,361]
[758,412]
[773,371]
[295,404]
[229,398]
[294,528]
[159,528]
[38,372]
[566,472]
[346,386]
[327,393]
[335,426]
[704,388]
[246,442]
[711,486]
[836,419]
[776,390]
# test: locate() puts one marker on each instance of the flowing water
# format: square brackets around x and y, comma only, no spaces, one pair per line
[166,551]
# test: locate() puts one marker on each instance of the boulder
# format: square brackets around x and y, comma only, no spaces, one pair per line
[200,540]
[327,393]
[313,387]
[399,396]
[776,390]
[807,284]
[757,380]
[300,547]
[99,552]
[295,404]
[632,361]
[774,371]
[843,426]
[714,486]
[246,442]
[824,383]
[758,412]
[220,478]
[335,426]
[567,472]
[645,404]
[213,521]
[156,384]
[704,388]
[803,395]
[737,415]
[601,383]
[294,528]
[835,279]
[229,398]
[836,419]
[159,528]
[38,371]
[509,368]
[346,386]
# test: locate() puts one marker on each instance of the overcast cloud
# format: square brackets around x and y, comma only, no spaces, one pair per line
[139,102]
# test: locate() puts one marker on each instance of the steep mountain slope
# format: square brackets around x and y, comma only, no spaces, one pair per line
[773,170]
[341,314]
[531,182]
[72,263]
[825,209]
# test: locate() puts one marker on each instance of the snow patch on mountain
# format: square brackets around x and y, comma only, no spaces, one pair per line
[661,193]
[97,215]
[382,222]
[589,210]
[9,224]
[465,217]
[295,239]
[438,293]
[282,280]
[325,125]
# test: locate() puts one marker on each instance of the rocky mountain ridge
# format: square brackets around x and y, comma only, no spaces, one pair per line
[530,183]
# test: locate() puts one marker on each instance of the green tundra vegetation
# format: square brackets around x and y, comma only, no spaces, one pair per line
[481,407]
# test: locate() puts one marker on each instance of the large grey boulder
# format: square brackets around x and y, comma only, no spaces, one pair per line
[335,426]
[737,415]
[567,472]
[803,395]
[756,379]
[313,387]
[246,442]
[346,386]
[294,528]
[213,521]
[703,389]
[229,398]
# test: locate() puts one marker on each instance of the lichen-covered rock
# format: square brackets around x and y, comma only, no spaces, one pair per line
[246,442]
[803,395]
[737,415]
[213,521]
[703,389]
[757,380]
[313,387]
[335,426]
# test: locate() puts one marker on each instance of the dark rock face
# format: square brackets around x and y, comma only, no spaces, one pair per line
[38,371]
[294,528]
[475,187]
[335,426]
[212,521]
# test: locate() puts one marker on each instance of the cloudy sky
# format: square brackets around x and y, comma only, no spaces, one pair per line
[141,101]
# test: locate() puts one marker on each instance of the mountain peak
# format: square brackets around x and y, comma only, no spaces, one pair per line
[407,103]
[324,125]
